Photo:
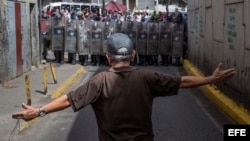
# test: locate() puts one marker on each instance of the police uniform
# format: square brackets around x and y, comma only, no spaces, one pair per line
[96,43]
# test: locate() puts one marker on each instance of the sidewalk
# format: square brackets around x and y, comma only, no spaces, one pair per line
[13,96]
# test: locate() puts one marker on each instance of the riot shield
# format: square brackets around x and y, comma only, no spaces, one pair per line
[57,36]
[142,37]
[177,44]
[153,39]
[131,31]
[96,38]
[165,38]
[70,38]
[177,41]
[108,30]
[83,38]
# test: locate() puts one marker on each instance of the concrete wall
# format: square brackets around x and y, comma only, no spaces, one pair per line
[11,65]
[218,32]
[3,40]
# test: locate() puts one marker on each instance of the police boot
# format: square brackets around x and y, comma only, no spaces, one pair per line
[85,60]
[61,53]
[69,58]
[73,57]
[155,59]
[98,60]
[81,59]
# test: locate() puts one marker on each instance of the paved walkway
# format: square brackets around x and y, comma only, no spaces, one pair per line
[12,97]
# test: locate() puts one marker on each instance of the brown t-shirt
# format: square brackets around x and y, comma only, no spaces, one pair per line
[122,101]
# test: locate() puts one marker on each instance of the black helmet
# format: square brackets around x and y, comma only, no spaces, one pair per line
[152,26]
[119,23]
[107,23]
[139,25]
[130,24]
[94,26]
[83,23]
[119,44]
[164,25]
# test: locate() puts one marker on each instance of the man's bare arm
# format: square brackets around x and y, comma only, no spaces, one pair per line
[30,112]
[218,75]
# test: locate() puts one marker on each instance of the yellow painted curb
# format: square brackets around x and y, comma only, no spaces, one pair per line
[57,93]
[27,124]
[236,112]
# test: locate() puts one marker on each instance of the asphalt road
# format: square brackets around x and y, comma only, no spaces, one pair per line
[184,117]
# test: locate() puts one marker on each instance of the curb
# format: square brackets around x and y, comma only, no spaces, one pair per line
[62,88]
[58,92]
[237,113]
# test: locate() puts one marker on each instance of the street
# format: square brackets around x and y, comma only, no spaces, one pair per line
[187,116]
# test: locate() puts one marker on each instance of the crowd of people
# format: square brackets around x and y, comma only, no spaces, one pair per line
[114,15]
[142,16]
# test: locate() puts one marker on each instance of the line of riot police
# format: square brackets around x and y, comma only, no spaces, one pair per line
[155,43]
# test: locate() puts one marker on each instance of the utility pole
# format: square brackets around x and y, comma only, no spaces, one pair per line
[103,6]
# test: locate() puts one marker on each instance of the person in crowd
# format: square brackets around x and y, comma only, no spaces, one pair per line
[154,17]
[160,17]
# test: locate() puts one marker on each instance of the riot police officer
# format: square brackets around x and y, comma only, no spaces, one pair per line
[142,44]
[153,44]
[177,44]
[83,42]
[107,32]
[57,38]
[131,32]
[165,43]
[96,43]
[70,41]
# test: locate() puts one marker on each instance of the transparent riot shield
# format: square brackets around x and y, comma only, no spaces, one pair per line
[108,30]
[141,42]
[177,43]
[70,38]
[83,37]
[142,37]
[165,43]
[57,36]
[131,31]
[96,38]
[153,39]
[165,39]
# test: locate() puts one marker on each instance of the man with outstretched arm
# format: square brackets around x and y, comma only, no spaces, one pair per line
[122,97]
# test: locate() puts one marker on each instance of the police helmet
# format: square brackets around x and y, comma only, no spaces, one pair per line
[119,44]
[139,25]
[83,24]
[152,26]
[130,24]
[107,23]
[164,25]
[94,26]
[119,23]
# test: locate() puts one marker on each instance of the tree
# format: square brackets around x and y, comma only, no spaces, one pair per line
[167,3]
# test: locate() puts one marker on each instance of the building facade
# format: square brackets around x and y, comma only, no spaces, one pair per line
[19,43]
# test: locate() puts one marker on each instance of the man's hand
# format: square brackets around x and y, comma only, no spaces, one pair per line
[220,75]
[27,114]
